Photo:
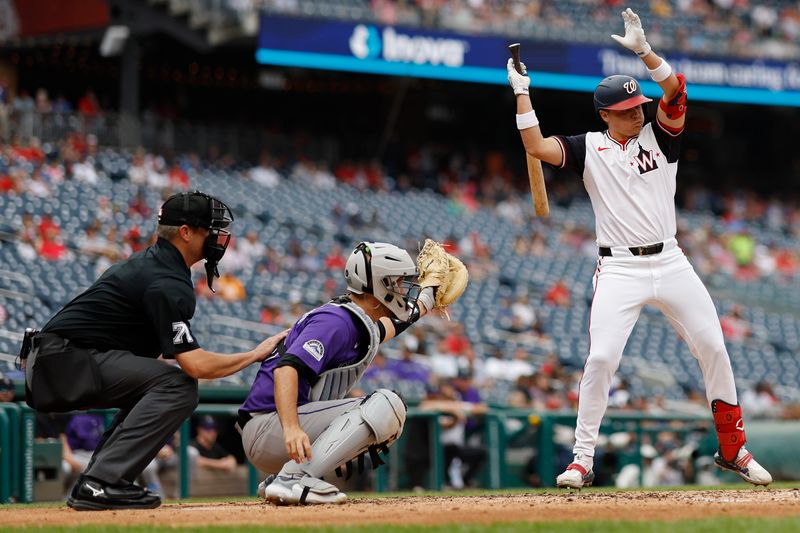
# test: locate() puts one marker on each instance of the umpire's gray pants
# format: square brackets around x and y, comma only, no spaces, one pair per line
[262,436]
[154,398]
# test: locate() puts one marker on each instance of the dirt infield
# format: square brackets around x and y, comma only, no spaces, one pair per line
[437,510]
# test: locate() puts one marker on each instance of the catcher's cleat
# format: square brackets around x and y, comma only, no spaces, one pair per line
[298,489]
[576,476]
[262,487]
[746,467]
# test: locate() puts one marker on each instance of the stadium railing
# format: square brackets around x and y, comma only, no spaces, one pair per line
[6,456]
[17,437]
[532,430]
[544,425]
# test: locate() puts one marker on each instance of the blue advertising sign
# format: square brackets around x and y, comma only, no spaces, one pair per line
[400,51]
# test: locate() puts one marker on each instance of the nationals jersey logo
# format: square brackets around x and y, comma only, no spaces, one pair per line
[182,334]
[645,160]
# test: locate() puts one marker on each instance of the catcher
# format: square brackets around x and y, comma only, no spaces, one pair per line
[297,422]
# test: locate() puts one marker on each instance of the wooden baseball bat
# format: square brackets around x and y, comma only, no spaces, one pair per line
[535,175]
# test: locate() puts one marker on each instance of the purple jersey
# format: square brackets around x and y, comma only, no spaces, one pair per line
[408,370]
[324,338]
[377,372]
[85,431]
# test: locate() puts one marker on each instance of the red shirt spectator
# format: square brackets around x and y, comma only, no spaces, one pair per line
[334,260]
[51,247]
[29,153]
[134,239]
[139,205]
[88,104]
[374,175]
[558,294]
[734,327]
[271,314]
[785,263]
[77,142]
[45,227]
[7,184]
[451,245]
[52,250]
[178,178]
[456,342]
[345,172]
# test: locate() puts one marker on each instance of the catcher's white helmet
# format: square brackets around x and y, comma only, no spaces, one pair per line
[385,271]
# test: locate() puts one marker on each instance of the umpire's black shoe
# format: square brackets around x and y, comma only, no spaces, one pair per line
[94,495]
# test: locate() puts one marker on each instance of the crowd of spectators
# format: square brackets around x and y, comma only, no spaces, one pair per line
[436,362]
[741,28]
[443,350]
[22,109]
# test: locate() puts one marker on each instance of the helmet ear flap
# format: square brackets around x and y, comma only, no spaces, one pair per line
[358,270]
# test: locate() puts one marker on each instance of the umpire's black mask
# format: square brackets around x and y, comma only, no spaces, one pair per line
[200,210]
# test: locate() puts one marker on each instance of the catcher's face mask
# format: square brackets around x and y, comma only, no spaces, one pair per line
[219,236]
[199,210]
[405,289]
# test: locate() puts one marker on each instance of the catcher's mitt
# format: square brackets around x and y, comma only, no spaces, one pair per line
[443,271]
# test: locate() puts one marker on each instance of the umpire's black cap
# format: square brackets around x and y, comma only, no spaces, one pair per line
[190,208]
[617,93]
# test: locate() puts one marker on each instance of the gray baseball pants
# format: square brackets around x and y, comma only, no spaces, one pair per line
[262,436]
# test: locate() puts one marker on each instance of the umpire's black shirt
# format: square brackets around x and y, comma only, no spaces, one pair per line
[142,305]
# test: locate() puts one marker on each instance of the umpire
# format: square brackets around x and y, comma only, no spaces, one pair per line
[101,351]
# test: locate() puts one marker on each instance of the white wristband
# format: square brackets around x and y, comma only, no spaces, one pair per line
[426,298]
[527,120]
[661,72]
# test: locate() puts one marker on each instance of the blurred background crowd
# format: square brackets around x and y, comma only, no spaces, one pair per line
[738,27]
[313,162]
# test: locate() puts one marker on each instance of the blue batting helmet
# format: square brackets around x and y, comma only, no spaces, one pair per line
[617,93]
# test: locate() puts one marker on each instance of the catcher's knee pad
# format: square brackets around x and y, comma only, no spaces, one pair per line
[374,423]
[384,411]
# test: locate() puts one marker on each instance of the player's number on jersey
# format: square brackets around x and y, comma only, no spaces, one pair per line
[182,335]
[629,86]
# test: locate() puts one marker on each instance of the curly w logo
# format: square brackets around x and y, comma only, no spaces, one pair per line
[645,160]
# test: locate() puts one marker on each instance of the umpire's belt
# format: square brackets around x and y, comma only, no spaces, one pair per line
[650,249]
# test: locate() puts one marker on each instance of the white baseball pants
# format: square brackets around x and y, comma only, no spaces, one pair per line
[623,284]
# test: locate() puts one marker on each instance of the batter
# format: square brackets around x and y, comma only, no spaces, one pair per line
[629,171]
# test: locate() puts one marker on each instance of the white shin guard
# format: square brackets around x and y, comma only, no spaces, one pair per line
[378,420]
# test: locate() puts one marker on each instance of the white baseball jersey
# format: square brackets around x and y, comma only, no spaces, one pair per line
[632,188]
[631,185]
